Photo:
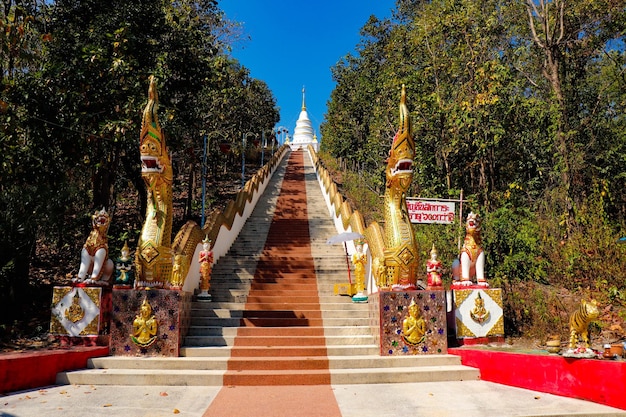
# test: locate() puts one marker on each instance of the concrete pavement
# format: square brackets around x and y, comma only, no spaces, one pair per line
[430,399]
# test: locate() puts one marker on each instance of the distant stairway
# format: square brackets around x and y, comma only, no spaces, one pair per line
[274,319]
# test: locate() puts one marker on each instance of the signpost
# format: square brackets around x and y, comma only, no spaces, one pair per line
[433,210]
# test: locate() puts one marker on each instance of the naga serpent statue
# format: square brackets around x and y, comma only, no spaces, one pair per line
[394,250]
[155,254]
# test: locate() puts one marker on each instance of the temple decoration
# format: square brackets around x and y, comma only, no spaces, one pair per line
[579,323]
[433,271]
[414,326]
[94,256]
[410,323]
[303,134]
[472,259]
[75,311]
[155,252]
[124,275]
[206,266]
[359,259]
[145,326]
[479,313]
[396,267]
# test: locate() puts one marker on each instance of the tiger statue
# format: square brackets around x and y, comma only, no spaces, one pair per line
[579,323]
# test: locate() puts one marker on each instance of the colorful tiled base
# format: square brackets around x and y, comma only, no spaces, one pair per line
[80,315]
[389,310]
[171,310]
[478,315]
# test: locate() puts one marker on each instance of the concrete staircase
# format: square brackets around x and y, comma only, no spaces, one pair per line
[274,319]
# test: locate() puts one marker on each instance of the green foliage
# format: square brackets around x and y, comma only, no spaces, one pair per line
[73,82]
[514,250]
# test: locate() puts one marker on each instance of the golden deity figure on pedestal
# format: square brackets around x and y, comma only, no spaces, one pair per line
[206,267]
[145,326]
[359,259]
[479,313]
[414,326]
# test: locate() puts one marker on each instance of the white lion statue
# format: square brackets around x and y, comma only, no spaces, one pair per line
[472,254]
[94,257]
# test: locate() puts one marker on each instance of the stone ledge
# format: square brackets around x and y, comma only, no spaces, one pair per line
[35,369]
[599,381]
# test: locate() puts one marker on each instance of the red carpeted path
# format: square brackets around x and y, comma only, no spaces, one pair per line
[279,364]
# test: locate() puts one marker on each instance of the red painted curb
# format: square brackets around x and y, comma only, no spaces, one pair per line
[599,381]
[26,370]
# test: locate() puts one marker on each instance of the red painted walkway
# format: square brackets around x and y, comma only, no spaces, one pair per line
[282,326]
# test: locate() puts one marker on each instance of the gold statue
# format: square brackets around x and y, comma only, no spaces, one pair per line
[206,266]
[155,252]
[359,259]
[75,312]
[400,252]
[94,257]
[479,313]
[579,323]
[144,326]
[414,326]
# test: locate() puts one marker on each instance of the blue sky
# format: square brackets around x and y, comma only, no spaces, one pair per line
[294,44]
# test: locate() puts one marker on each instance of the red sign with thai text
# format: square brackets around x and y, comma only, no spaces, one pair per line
[424,211]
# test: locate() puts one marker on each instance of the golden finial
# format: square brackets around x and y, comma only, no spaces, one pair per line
[303,105]
[150,111]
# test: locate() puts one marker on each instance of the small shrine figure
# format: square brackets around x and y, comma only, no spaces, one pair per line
[206,265]
[479,313]
[75,312]
[414,326]
[433,270]
[94,257]
[124,275]
[144,326]
[177,272]
[359,259]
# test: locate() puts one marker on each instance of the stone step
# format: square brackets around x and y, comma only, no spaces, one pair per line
[255,351]
[286,362]
[326,314]
[238,321]
[279,341]
[236,296]
[282,331]
[195,377]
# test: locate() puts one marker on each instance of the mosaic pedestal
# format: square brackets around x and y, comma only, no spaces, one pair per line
[478,315]
[171,311]
[80,315]
[388,311]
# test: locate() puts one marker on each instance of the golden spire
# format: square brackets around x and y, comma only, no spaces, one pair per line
[303,105]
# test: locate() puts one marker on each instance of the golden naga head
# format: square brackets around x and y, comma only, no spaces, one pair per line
[400,161]
[154,156]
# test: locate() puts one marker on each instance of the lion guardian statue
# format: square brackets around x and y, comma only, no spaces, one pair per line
[95,265]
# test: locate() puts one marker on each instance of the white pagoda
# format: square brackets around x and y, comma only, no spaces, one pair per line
[303,135]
